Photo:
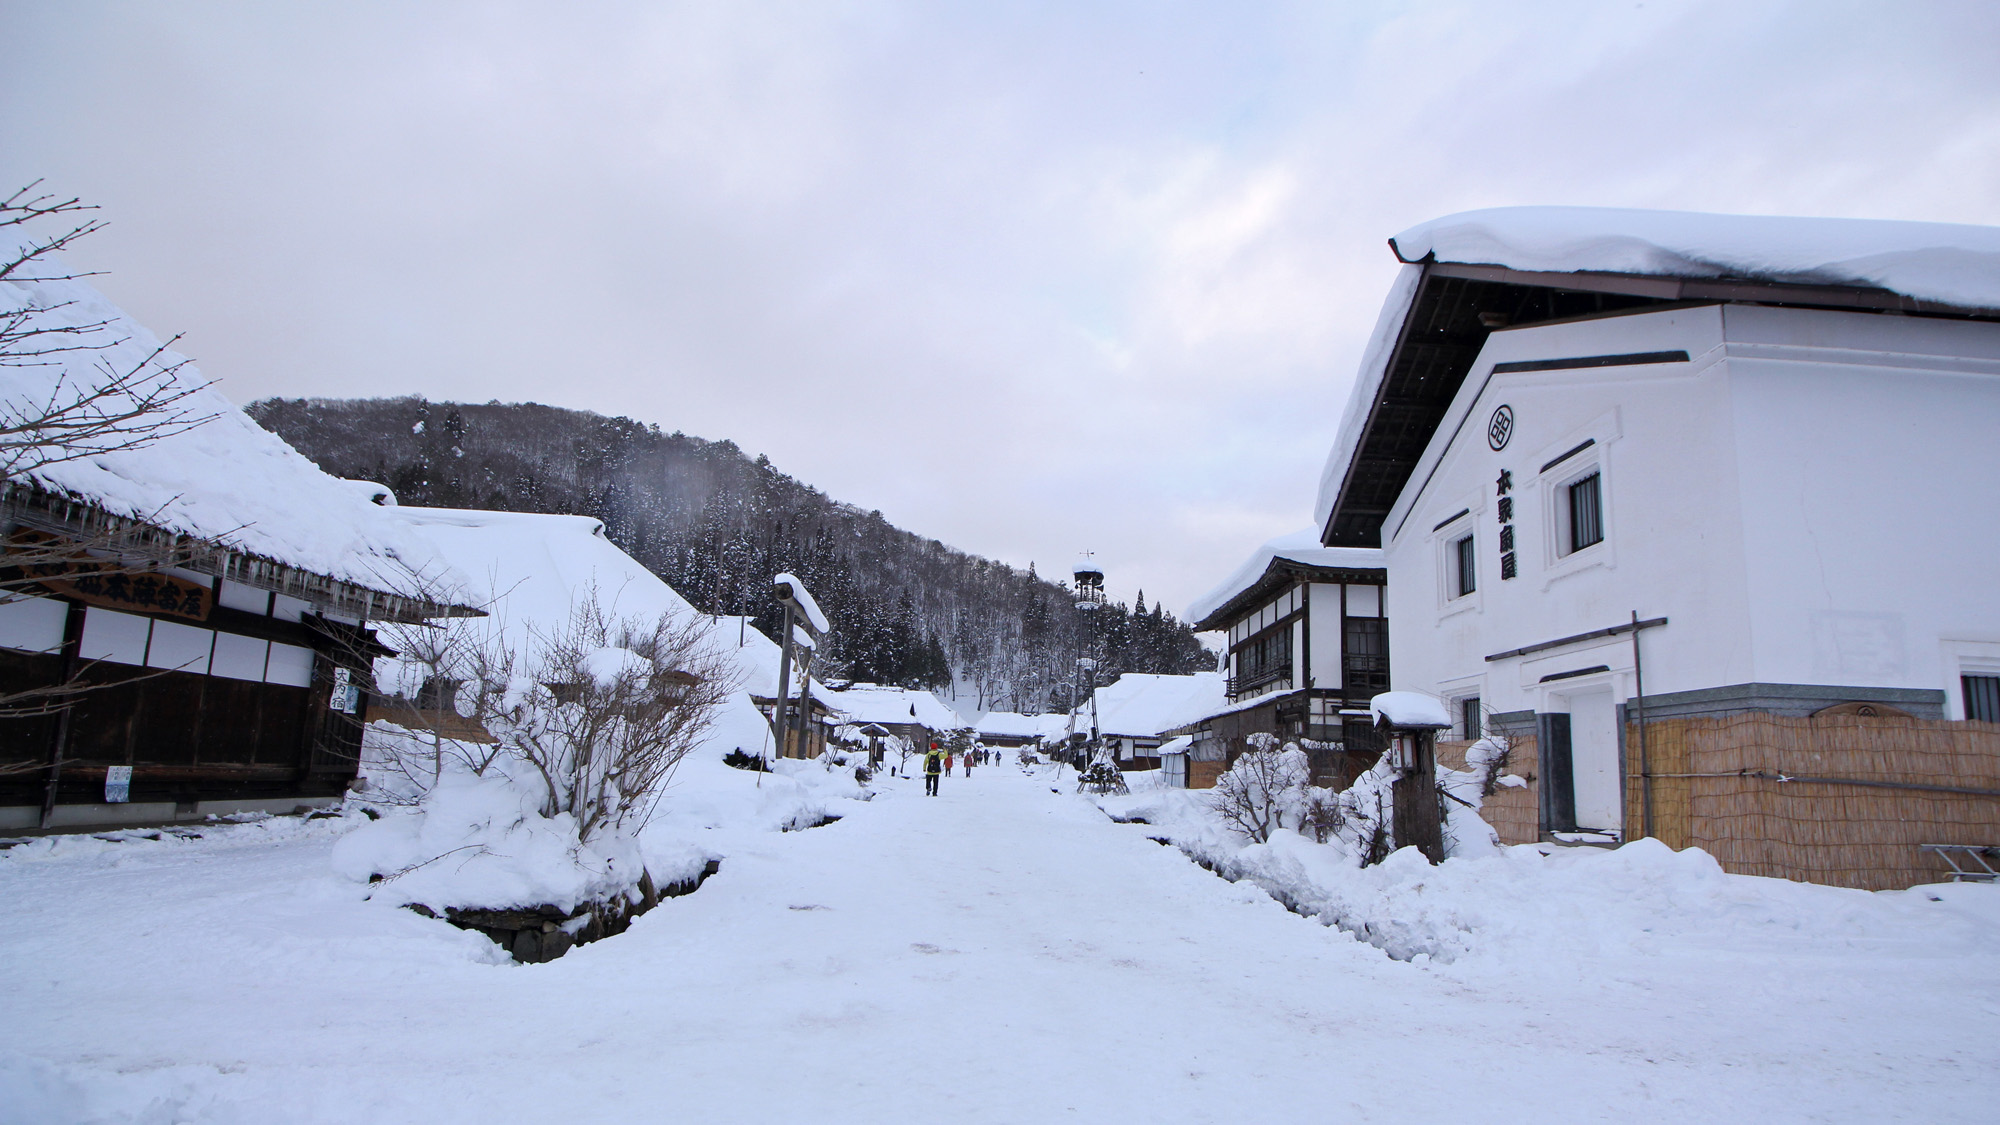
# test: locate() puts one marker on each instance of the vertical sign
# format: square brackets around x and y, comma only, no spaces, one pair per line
[118,785]
[1505,508]
[345,695]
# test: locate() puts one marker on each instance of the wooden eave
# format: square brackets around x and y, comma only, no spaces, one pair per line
[1458,304]
[27,505]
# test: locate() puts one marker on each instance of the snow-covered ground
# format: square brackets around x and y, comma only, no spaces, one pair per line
[998,953]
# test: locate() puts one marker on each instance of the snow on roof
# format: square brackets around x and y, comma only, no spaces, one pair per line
[1409,709]
[1143,704]
[1949,263]
[531,571]
[1300,546]
[876,703]
[1012,724]
[805,600]
[228,480]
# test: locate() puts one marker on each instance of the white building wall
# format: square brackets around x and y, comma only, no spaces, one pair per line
[1870,448]
[1673,546]
[1323,610]
[1810,503]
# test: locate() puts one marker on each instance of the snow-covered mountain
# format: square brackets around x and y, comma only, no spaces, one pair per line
[716,524]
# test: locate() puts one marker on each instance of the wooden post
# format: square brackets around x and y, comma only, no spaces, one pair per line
[780,725]
[72,664]
[1645,765]
[1418,821]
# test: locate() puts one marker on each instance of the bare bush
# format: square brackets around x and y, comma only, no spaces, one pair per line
[603,710]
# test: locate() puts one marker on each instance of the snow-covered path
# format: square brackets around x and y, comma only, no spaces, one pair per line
[998,953]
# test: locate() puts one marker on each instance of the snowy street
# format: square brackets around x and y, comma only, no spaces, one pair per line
[999,953]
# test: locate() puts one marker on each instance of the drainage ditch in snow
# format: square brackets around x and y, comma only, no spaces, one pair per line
[532,935]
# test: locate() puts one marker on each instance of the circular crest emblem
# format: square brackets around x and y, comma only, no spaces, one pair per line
[1500,428]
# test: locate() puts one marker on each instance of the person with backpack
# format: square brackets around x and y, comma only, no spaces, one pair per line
[933,767]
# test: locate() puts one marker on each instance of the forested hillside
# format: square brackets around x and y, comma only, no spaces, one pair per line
[717,524]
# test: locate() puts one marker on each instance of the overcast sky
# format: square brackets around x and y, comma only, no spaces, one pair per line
[1029,278]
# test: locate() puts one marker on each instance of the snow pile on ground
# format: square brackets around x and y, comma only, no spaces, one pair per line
[1527,905]
[481,841]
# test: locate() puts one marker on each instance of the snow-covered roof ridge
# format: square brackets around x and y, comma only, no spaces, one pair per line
[227,480]
[879,703]
[1300,546]
[1950,263]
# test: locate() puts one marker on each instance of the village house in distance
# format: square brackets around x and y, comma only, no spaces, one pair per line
[1308,647]
[1696,508]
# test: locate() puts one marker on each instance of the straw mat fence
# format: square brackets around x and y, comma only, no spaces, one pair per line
[1818,799]
[1513,810]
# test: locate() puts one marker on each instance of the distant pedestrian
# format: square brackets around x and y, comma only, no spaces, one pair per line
[933,764]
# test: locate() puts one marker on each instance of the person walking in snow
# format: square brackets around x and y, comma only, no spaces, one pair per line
[933,765]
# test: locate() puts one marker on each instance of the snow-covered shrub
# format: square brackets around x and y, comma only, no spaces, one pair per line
[1264,789]
[602,711]
[737,759]
[533,759]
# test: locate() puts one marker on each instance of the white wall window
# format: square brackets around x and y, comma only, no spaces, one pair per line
[1582,503]
[1464,566]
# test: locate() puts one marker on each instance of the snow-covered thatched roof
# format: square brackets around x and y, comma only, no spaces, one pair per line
[876,703]
[227,481]
[532,571]
[1300,547]
[1143,705]
[1010,724]
[1665,255]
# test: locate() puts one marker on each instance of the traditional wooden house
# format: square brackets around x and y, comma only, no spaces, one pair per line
[1010,730]
[914,716]
[186,624]
[1136,711]
[1307,645]
[1743,461]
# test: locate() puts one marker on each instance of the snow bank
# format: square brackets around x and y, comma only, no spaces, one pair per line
[1529,908]
[479,841]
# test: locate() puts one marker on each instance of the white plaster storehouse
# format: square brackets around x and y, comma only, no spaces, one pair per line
[1772,441]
